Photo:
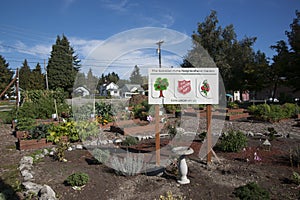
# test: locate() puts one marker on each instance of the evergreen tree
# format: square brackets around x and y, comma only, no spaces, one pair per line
[25,81]
[5,74]
[91,81]
[136,77]
[63,65]
[38,78]
[293,71]
[80,80]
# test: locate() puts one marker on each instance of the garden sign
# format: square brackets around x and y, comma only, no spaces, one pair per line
[183,86]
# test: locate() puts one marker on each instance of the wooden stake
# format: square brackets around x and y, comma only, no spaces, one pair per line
[157,137]
[208,126]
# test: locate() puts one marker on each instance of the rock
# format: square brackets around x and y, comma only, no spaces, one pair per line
[79,146]
[26,160]
[250,133]
[70,149]
[45,152]
[25,166]
[47,193]
[51,153]
[27,175]
[32,187]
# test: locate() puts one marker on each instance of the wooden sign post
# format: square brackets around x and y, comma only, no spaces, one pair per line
[157,137]
[208,126]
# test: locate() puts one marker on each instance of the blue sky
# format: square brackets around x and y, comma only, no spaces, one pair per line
[29,28]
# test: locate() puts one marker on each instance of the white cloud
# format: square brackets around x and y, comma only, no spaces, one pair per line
[137,47]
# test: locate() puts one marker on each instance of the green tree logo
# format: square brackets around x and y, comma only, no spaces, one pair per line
[160,85]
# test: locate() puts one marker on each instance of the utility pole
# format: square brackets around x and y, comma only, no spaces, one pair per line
[47,87]
[17,89]
[159,52]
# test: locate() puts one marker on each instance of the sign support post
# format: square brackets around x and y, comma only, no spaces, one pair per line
[157,137]
[208,126]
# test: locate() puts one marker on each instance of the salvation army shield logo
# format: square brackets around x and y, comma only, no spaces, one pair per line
[184,86]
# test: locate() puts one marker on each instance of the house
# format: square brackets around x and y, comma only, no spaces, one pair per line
[111,89]
[81,91]
[130,89]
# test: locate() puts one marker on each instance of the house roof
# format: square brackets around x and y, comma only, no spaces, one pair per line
[132,88]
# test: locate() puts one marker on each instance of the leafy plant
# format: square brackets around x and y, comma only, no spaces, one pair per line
[85,130]
[272,133]
[25,124]
[130,140]
[232,141]
[170,196]
[77,179]
[100,155]
[61,148]
[129,165]
[251,191]
[65,129]
[296,178]
[39,131]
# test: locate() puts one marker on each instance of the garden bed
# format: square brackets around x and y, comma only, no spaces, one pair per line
[32,144]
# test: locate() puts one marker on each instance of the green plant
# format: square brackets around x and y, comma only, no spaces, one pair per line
[251,191]
[65,129]
[130,140]
[77,179]
[61,148]
[296,178]
[170,196]
[25,124]
[232,105]
[85,130]
[129,165]
[272,133]
[39,131]
[232,141]
[100,155]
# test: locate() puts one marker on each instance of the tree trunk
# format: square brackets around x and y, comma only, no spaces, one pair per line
[161,93]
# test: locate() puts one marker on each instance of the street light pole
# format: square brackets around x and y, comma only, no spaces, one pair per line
[157,136]
[159,52]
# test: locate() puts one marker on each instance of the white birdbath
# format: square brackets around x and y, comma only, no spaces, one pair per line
[182,166]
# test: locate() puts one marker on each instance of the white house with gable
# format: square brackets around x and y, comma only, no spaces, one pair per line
[111,89]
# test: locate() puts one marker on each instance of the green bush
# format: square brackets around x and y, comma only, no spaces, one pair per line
[40,104]
[251,191]
[77,179]
[40,131]
[232,141]
[130,140]
[273,112]
[25,124]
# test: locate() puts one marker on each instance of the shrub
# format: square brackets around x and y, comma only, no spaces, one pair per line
[130,140]
[85,130]
[273,113]
[77,179]
[251,191]
[296,178]
[25,124]
[232,141]
[128,166]
[39,131]
[100,155]
[65,129]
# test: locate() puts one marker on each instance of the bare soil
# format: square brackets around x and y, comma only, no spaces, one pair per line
[215,181]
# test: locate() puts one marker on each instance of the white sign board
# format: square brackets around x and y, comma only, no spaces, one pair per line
[183,86]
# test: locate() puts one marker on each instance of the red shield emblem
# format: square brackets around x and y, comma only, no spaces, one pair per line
[184,86]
